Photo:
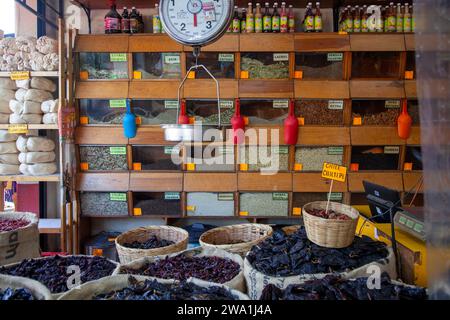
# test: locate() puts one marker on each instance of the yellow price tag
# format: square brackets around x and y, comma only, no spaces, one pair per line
[301,121]
[137,212]
[191,75]
[246,121]
[138,120]
[137,166]
[84,75]
[243,213]
[296,211]
[244,74]
[190,208]
[18,128]
[243,167]
[137,75]
[84,166]
[408,166]
[20,75]
[357,121]
[190,167]
[84,120]
[409,75]
[342,33]
[298,167]
[334,172]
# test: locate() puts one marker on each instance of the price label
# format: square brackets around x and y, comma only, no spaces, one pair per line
[117,150]
[171,196]
[226,104]
[278,196]
[336,104]
[226,57]
[137,212]
[225,197]
[171,104]
[281,57]
[392,150]
[171,149]
[172,59]
[118,57]
[191,208]
[281,150]
[335,150]
[334,172]
[335,56]
[122,103]
[18,128]
[335,196]
[20,75]
[392,104]
[296,211]
[280,104]
[122,197]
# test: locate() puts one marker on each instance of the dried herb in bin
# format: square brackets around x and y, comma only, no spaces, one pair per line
[287,255]
[52,272]
[21,294]
[151,243]
[182,267]
[153,290]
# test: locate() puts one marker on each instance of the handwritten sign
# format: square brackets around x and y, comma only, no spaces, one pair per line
[20,75]
[18,128]
[334,172]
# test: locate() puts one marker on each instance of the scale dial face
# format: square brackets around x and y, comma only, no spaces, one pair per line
[196,22]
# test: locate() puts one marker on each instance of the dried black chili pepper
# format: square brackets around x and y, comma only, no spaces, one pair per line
[152,243]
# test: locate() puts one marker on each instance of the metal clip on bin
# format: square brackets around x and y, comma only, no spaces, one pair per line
[192,132]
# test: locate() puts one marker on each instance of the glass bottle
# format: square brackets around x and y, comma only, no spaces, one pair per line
[364,26]
[125,21]
[309,18]
[399,18]
[349,20]
[357,20]
[407,19]
[283,18]
[134,23]
[343,20]
[391,18]
[113,20]
[267,19]
[258,19]
[291,19]
[250,21]
[156,20]
[318,26]
[413,18]
[383,25]
[236,21]
[275,18]
[244,21]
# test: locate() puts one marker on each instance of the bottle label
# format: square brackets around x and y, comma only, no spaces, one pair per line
[391,24]
[291,23]
[267,23]
[413,24]
[309,23]
[134,25]
[258,24]
[243,26]
[236,26]
[284,24]
[407,25]
[275,23]
[349,24]
[364,26]
[250,24]
[112,24]
[399,24]
[356,25]
[156,24]
[318,23]
[125,25]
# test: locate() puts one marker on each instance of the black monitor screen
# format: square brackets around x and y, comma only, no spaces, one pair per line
[380,200]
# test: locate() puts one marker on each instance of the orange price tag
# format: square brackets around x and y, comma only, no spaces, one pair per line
[84,120]
[191,120]
[357,121]
[246,121]
[243,213]
[84,166]
[138,120]
[137,166]
[296,211]
[409,75]
[298,167]
[298,74]
[190,167]
[354,166]
[137,75]
[97,252]
[190,208]
[243,167]
[137,212]
[244,74]
[191,75]
[301,121]
[408,166]
[84,75]
[342,33]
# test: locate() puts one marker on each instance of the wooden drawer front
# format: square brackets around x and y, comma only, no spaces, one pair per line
[206,89]
[377,89]
[258,182]
[101,89]
[101,43]
[266,42]
[206,182]
[227,43]
[313,182]
[154,89]
[266,89]
[100,135]
[265,133]
[150,135]
[410,89]
[375,136]
[103,181]
[391,180]
[325,42]
[377,42]
[315,89]
[410,42]
[414,138]
[324,136]
[411,180]
[158,181]
[154,43]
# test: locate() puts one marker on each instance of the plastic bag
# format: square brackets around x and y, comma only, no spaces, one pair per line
[31,107]
[38,169]
[5,136]
[43,84]
[9,169]
[46,45]
[37,157]
[5,106]
[6,94]
[50,106]
[38,95]
[9,158]
[6,83]
[25,118]
[24,84]
[20,95]
[50,118]
[26,43]
[34,144]
[8,147]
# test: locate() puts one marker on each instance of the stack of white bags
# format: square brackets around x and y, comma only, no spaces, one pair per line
[9,155]
[28,53]
[50,110]
[7,93]
[37,156]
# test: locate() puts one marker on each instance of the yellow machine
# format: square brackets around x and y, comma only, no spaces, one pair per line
[412,251]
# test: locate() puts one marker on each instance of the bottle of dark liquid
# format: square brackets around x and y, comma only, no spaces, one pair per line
[125,21]
[140,23]
[236,21]
[318,19]
[244,21]
[275,18]
[134,21]
[113,20]
[267,19]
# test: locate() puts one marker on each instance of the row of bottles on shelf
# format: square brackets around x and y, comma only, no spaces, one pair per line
[127,22]
[390,18]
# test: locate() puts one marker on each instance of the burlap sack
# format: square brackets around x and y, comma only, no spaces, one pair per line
[10,158]
[22,243]
[257,281]
[117,282]
[5,136]
[8,147]
[38,169]
[20,95]
[50,118]
[23,84]
[237,282]
[38,290]
[35,144]
[37,157]
[6,94]
[43,84]
[50,106]
[9,169]
[8,84]
[25,118]
[32,107]
[5,106]
[38,95]
[4,118]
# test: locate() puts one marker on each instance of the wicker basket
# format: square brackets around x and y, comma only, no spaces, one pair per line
[239,238]
[330,233]
[177,235]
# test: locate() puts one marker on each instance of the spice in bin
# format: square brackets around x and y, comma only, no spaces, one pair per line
[262,204]
[156,65]
[7,225]
[155,158]
[317,65]
[103,204]
[321,112]
[104,158]
[376,157]
[266,65]
[299,199]
[103,66]
[312,158]
[221,65]
[265,157]
[270,112]
[158,203]
[376,112]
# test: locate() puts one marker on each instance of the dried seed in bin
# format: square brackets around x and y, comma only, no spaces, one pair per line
[312,159]
[104,158]
[103,204]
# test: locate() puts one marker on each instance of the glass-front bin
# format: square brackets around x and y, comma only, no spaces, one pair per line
[157,158]
[414,112]
[262,65]
[358,199]
[205,110]
[299,199]
[375,65]
[410,67]
[157,204]
[375,158]
[264,158]
[103,66]
[103,158]
[413,158]
[156,65]
[213,158]
[155,112]
[210,204]
[264,204]
[375,112]
[101,112]
[104,204]
[221,65]
[319,65]
[320,112]
[312,158]
[265,111]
